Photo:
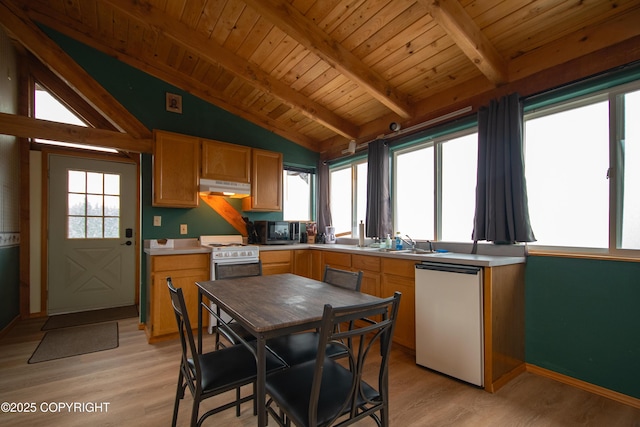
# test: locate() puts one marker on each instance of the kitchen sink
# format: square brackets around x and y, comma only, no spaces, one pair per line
[406,251]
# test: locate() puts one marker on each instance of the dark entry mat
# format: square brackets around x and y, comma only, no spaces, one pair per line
[88,317]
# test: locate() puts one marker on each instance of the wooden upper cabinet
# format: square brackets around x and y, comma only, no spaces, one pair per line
[176,170]
[226,162]
[266,182]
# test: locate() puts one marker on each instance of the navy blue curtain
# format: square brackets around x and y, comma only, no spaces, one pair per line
[378,215]
[502,212]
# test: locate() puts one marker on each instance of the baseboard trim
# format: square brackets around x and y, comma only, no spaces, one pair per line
[601,391]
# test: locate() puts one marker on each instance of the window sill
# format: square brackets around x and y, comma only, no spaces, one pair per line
[584,255]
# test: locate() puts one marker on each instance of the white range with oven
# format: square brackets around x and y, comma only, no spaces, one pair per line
[228,249]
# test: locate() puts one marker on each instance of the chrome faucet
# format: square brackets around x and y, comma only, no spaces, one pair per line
[410,242]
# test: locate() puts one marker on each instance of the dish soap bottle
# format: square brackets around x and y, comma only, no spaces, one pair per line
[398,241]
[388,243]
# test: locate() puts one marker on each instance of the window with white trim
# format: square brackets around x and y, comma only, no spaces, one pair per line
[348,197]
[434,185]
[582,167]
[297,191]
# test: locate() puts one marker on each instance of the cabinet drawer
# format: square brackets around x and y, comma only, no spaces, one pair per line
[363,262]
[270,257]
[399,267]
[180,262]
[337,259]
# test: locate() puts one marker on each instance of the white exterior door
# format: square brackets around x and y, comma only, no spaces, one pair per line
[92,233]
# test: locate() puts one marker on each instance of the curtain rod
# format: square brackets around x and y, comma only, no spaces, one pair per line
[353,147]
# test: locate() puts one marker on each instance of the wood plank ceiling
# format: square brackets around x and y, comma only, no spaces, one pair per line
[324,72]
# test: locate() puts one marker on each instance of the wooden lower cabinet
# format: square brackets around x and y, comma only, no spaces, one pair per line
[504,333]
[399,275]
[276,261]
[503,300]
[302,262]
[184,271]
[370,267]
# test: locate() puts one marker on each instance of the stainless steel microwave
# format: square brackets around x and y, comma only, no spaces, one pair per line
[277,232]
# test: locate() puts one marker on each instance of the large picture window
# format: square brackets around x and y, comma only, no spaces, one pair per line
[582,164]
[434,188]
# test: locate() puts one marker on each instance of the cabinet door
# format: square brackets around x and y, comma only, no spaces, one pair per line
[276,262]
[266,182]
[163,319]
[176,166]
[227,162]
[399,275]
[302,262]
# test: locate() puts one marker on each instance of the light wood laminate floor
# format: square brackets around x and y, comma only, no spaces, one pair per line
[138,382]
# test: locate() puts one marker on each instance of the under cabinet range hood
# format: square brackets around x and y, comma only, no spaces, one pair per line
[224,188]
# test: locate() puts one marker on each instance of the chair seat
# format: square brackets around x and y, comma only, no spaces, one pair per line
[303,347]
[291,388]
[231,367]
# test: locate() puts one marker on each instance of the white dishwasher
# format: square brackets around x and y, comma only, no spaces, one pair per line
[449,319]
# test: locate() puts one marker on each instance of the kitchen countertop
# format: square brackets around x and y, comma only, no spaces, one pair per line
[192,246]
[178,247]
[479,260]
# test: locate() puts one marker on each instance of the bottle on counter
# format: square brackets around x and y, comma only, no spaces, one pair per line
[398,241]
[388,243]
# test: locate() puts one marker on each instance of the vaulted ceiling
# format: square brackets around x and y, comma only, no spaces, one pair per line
[324,72]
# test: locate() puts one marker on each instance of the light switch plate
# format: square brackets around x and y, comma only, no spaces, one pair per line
[157,221]
[183,228]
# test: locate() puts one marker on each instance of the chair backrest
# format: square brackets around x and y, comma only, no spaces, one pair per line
[228,271]
[345,279]
[359,341]
[189,350]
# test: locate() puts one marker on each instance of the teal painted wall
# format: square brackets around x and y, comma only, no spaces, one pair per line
[583,320]
[144,96]
[10,286]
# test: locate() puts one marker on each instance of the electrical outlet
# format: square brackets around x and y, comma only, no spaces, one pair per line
[157,221]
[183,228]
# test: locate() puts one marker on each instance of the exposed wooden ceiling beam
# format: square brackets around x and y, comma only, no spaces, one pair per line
[27,127]
[16,23]
[307,33]
[162,71]
[249,72]
[452,17]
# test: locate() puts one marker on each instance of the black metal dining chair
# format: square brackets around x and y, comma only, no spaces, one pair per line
[234,271]
[302,347]
[210,374]
[325,392]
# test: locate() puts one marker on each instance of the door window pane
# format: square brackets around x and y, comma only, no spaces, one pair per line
[567,158]
[92,214]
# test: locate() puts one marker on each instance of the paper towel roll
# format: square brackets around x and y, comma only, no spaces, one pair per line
[361,234]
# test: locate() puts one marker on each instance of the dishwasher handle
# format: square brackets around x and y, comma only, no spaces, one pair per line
[449,268]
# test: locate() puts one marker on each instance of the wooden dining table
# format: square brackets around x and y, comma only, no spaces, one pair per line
[274,305]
